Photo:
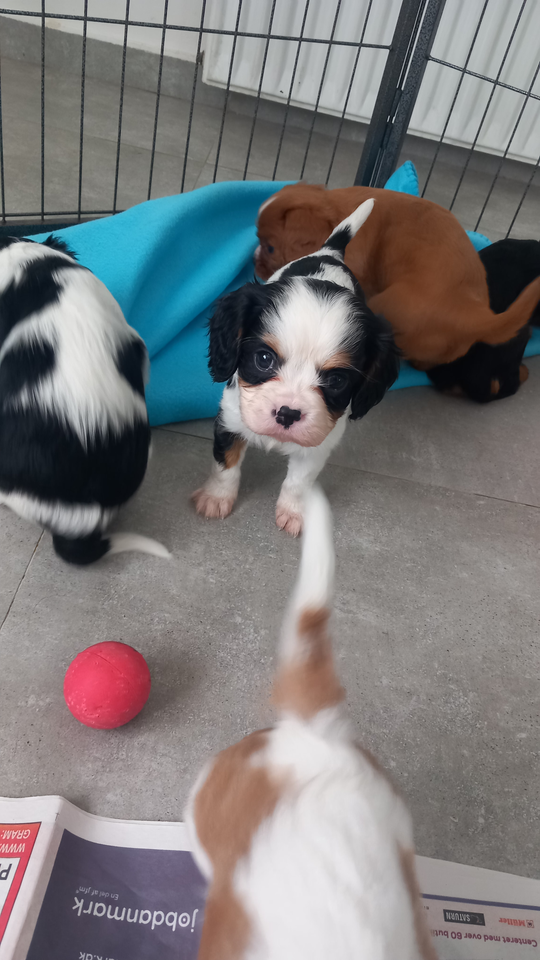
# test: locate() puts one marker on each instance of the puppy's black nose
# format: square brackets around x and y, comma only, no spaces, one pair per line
[285,416]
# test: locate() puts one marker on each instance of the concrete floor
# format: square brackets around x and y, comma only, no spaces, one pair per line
[437,535]
[436,624]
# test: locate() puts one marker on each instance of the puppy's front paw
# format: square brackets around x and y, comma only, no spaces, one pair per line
[210,506]
[289,518]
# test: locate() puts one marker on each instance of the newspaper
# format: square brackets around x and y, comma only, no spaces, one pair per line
[74,886]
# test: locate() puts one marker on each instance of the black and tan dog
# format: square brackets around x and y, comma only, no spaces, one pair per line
[492,372]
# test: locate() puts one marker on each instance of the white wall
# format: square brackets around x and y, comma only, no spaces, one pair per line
[178,43]
[468,124]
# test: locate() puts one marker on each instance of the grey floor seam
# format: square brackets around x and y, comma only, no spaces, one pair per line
[13,599]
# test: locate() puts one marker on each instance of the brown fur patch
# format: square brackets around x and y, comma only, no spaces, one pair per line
[495,387]
[233,454]
[523,373]
[226,928]
[230,806]
[423,936]
[273,343]
[340,360]
[309,685]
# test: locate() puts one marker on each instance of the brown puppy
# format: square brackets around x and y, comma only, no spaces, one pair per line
[414,261]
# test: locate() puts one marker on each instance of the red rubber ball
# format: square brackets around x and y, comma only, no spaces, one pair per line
[107,685]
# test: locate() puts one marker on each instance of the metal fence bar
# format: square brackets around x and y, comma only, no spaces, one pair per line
[227,90]
[193,92]
[36,214]
[489,102]
[158,97]
[452,105]
[291,87]
[81,130]
[385,104]
[258,100]
[2,172]
[481,76]
[508,145]
[397,131]
[349,90]
[213,31]
[321,85]
[525,192]
[42,109]
[121,107]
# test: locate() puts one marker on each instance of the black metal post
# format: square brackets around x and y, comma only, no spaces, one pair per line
[411,45]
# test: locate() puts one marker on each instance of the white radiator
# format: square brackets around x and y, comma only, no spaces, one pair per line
[454,37]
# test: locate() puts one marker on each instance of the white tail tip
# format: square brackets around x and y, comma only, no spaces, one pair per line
[122,542]
[360,215]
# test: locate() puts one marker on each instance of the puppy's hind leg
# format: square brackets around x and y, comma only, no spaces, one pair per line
[218,495]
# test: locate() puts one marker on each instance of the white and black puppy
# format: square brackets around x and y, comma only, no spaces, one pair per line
[298,353]
[74,431]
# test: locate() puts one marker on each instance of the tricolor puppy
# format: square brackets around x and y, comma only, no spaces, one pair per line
[307,847]
[297,354]
[74,432]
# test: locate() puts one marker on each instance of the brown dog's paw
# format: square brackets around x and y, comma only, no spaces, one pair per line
[289,520]
[212,507]
[523,373]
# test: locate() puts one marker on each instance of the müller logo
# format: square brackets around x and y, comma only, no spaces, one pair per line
[459,916]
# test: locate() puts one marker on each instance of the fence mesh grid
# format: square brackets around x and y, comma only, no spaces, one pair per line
[122,185]
[299,41]
[499,164]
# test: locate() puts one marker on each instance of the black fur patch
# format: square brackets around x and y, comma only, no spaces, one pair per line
[24,366]
[37,289]
[7,241]
[83,551]
[247,366]
[377,359]
[510,266]
[55,243]
[131,363]
[339,240]
[309,266]
[236,316]
[337,399]
[480,366]
[44,458]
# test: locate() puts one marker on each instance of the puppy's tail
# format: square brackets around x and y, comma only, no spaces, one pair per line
[500,327]
[306,682]
[348,228]
[85,550]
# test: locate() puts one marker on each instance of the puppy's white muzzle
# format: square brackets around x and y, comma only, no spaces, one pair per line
[274,410]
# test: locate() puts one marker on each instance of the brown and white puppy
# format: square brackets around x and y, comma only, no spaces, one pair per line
[307,847]
[297,353]
[413,259]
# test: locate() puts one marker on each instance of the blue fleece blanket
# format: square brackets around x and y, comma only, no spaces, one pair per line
[166,261]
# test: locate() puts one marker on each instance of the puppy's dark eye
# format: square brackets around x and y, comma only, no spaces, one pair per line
[335,381]
[270,248]
[265,360]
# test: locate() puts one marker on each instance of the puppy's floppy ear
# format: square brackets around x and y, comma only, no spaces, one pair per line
[379,364]
[231,321]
